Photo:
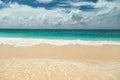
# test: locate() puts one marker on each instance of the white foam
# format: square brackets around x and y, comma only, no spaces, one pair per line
[30,42]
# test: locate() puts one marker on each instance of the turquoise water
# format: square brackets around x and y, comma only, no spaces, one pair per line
[62,34]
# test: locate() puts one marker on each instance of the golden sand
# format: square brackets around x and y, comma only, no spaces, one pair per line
[76,52]
[49,62]
[54,69]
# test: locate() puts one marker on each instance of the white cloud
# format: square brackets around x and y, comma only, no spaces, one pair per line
[1,2]
[44,1]
[81,4]
[22,16]
[27,17]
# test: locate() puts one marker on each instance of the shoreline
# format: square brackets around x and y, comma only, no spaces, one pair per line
[25,42]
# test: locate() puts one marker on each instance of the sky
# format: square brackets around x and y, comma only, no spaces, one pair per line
[59,14]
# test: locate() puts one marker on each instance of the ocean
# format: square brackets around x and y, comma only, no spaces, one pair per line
[59,36]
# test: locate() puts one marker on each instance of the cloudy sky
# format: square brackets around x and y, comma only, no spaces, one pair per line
[60,14]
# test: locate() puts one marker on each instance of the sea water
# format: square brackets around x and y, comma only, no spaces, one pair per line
[59,36]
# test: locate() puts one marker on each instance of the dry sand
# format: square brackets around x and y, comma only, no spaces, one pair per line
[76,52]
[49,62]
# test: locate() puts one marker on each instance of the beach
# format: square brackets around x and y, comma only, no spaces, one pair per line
[51,62]
[59,54]
[59,39]
[106,52]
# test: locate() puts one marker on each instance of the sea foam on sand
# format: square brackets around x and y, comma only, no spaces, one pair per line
[59,42]
[55,69]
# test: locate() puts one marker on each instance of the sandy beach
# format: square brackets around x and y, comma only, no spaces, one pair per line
[50,62]
[107,52]
[59,39]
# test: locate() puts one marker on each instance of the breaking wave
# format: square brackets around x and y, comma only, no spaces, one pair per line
[30,42]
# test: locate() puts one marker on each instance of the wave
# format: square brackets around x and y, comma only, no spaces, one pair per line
[59,42]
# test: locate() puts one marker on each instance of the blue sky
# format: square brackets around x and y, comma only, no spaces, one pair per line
[60,14]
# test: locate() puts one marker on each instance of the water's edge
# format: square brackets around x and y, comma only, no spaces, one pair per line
[58,42]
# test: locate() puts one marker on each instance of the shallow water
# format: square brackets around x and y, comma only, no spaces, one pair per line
[29,37]
[56,69]
[113,35]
